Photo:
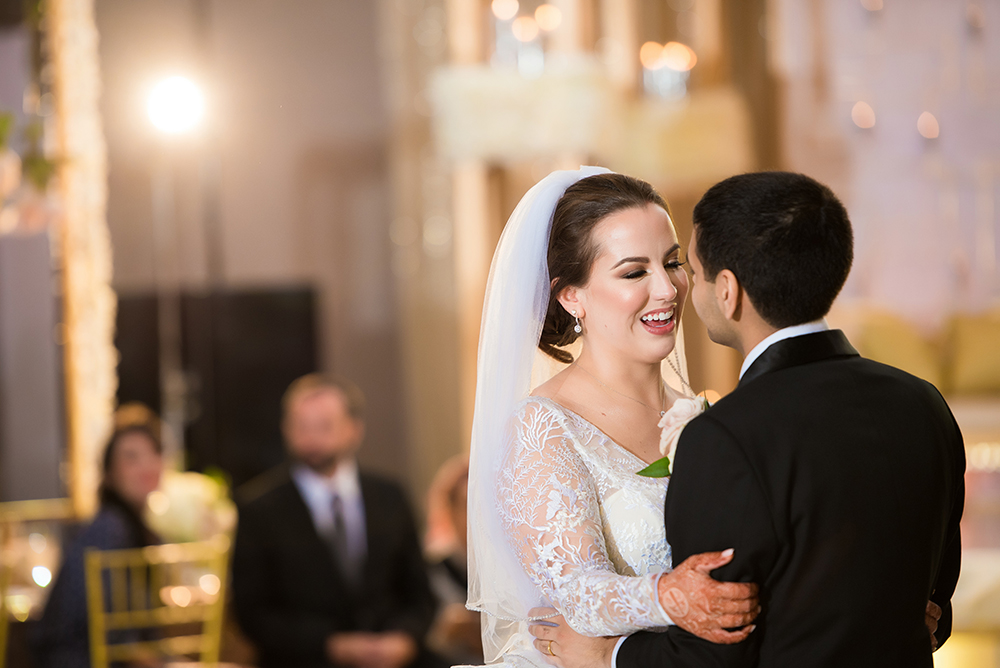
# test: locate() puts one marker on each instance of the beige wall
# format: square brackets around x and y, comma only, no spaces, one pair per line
[298,131]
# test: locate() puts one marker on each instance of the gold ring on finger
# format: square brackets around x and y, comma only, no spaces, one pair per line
[549,649]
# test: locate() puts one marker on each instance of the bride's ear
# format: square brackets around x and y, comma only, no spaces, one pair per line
[570,300]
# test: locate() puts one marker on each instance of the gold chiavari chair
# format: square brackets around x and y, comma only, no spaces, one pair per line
[5,572]
[161,601]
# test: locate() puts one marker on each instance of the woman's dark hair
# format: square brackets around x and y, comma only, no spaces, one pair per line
[572,249]
[131,418]
[785,236]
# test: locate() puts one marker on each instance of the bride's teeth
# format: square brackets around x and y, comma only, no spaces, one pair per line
[658,317]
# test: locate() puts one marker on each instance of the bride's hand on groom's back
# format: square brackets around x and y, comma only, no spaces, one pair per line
[563,647]
[706,607]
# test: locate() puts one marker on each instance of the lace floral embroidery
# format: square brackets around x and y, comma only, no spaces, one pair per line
[588,531]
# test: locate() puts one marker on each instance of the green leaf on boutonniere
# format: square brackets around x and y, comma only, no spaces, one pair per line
[658,469]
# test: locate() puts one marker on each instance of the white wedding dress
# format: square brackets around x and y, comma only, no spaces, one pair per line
[557,515]
[585,527]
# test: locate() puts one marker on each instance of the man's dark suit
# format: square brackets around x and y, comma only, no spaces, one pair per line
[289,594]
[839,482]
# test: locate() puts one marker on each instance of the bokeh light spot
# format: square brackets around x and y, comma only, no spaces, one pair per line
[41,575]
[158,502]
[649,55]
[525,28]
[863,115]
[210,584]
[928,126]
[548,17]
[37,542]
[505,10]
[678,57]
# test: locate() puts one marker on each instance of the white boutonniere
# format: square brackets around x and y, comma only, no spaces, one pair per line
[672,424]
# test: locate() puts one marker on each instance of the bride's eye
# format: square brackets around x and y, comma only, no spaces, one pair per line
[637,273]
[674,265]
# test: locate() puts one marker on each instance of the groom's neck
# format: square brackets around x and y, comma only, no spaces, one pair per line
[751,330]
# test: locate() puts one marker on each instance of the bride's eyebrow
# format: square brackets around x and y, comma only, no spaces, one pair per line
[640,260]
[645,260]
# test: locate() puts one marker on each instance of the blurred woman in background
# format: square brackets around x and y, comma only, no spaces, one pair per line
[456,632]
[132,467]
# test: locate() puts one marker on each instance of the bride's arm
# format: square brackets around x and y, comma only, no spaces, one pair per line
[549,505]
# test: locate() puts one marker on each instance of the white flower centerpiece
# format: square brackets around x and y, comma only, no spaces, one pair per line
[190,506]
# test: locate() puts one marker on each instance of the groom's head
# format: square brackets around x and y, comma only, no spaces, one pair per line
[768,247]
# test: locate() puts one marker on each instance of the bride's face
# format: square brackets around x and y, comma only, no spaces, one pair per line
[637,285]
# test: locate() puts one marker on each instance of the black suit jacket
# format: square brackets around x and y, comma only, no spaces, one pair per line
[839,482]
[290,596]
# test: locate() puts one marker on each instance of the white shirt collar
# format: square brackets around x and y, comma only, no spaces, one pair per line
[344,482]
[782,334]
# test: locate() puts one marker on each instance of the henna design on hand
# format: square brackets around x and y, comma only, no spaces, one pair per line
[706,607]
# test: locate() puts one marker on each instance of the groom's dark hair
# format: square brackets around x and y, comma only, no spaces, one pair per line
[785,236]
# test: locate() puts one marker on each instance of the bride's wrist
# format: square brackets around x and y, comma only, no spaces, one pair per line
[663,583]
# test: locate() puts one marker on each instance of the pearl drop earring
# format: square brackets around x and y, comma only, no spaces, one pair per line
[578,328]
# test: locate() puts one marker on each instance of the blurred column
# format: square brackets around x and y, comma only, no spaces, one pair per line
[421,191]
[707,41]
[620,40]
[470,199]
[470,214]
[568,39]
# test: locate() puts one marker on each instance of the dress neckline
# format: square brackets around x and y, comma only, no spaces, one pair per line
[559,407]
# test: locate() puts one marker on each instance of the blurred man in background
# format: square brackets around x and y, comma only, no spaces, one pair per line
[327,566]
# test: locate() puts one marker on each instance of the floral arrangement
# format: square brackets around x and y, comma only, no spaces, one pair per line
[190,506]
[672,424]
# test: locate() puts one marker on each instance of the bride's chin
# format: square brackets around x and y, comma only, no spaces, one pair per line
[659,350]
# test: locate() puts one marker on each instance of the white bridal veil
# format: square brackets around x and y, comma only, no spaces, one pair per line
[517,297]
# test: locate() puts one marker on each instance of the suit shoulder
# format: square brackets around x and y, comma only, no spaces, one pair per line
[386,494]
[261,491]
[382,485]
[906,383]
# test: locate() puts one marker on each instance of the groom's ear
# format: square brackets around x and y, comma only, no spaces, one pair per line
[729,294]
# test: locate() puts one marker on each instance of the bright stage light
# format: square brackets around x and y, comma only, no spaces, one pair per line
[175,105]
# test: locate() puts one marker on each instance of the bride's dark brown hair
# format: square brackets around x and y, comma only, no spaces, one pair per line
[572,249]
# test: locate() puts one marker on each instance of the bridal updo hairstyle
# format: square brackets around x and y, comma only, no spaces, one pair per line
[785,236]
[572,249]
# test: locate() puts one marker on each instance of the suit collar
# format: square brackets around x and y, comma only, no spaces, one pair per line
[780,335]
[799,350]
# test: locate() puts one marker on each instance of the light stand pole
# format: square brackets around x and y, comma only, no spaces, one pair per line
[175,106]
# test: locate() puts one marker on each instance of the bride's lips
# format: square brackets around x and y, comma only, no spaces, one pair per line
[659,321]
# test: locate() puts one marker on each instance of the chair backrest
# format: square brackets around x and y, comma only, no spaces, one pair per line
[162,601]
[5,572]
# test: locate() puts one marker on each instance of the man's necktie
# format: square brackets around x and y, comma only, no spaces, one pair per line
[340,544]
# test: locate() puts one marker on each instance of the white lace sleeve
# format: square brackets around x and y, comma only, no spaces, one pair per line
[550,509]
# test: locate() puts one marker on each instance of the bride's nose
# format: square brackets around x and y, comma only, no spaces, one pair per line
[663,286]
